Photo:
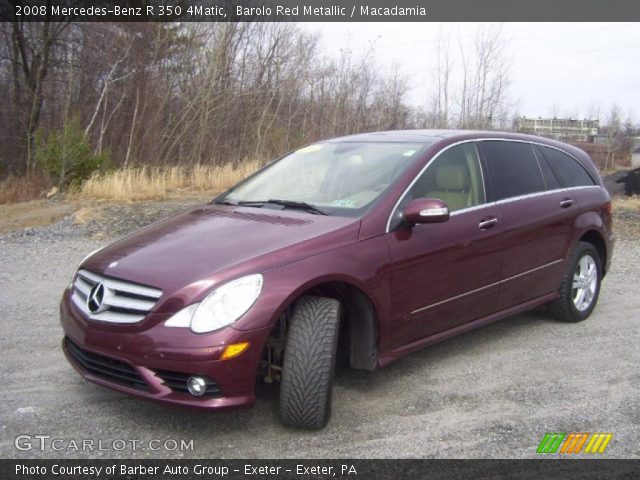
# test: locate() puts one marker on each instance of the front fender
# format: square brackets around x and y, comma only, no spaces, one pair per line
[362,265]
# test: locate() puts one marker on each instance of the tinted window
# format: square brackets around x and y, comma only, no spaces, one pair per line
[571,173]
[454,177]
[514,169]
[550,178]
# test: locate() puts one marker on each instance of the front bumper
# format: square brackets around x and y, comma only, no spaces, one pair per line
[154,361]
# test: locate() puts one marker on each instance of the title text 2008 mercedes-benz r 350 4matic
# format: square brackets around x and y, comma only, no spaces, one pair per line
[366,247]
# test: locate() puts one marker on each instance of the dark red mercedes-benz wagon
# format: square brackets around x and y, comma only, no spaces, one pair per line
[365,247]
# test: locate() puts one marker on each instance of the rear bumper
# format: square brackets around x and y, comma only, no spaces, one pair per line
[148,365]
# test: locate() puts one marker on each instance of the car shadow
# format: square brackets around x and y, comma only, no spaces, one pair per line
[485,337]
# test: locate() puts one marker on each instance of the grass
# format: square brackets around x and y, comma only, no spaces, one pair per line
[628,204]
[23,188]
[160,183]
[626,218]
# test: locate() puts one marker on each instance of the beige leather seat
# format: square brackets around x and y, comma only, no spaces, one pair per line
[452,186]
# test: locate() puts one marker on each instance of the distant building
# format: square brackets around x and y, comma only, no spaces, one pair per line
[565,129]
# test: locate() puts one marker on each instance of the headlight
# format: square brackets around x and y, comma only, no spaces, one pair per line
[220,308]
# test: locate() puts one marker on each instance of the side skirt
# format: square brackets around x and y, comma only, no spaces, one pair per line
[386,358]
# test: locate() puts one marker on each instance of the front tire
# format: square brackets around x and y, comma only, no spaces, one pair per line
[309,363]
[580,287]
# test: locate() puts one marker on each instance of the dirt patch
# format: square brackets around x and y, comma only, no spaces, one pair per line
[117,219]
[36,213]
[93,219]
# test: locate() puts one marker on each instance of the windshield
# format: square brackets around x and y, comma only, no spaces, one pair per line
[336,178]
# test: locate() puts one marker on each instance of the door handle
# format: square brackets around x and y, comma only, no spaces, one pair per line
[487,223]
[566,203]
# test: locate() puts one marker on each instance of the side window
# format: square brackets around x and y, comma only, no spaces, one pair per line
[571,173]
[454,177]
[514,169]
[550,178]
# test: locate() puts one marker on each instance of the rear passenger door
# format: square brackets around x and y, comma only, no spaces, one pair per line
[536,220]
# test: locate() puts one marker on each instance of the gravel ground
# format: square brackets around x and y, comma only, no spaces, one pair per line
[106,221]
[493,392]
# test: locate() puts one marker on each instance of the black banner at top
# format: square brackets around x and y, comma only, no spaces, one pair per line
[318,10]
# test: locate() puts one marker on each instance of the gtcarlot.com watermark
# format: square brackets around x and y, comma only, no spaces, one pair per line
[26,442]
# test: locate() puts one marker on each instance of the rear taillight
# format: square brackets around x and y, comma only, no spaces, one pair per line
[608,208]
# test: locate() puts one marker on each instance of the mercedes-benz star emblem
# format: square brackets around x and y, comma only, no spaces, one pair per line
[95,299]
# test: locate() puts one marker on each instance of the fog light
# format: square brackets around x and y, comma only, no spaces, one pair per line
[197,386]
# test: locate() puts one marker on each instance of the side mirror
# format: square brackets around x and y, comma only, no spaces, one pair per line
[426,210]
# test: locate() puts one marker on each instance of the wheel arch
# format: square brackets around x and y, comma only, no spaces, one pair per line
[595,238]
[360,319]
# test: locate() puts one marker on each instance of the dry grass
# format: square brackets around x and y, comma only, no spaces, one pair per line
[22,189]
[33,213]
[157,183]
[628,204]
[626,218]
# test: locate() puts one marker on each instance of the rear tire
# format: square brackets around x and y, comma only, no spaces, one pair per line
[309,363]
[580,286]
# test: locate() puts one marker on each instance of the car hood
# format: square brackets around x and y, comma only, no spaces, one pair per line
[214,243]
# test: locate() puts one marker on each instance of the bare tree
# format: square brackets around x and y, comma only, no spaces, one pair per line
[614,130]
[188,93]
[439,108]
[32,56]
[476,82]
[485,88]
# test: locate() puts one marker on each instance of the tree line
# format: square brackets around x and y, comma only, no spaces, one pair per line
[158,94]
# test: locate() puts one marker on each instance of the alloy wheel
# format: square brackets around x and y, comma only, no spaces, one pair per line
[585,283]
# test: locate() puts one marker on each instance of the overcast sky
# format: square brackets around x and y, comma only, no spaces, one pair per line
[556,68]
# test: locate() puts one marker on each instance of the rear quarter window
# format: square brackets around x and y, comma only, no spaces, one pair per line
[570,172]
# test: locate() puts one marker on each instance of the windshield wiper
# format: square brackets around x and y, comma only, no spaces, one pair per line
[307,207]
[293,204]
[224,202]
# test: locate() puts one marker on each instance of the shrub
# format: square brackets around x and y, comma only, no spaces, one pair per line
[65,155]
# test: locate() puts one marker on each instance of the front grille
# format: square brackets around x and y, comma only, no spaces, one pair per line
[110,300]
[177,382]
[106,368]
